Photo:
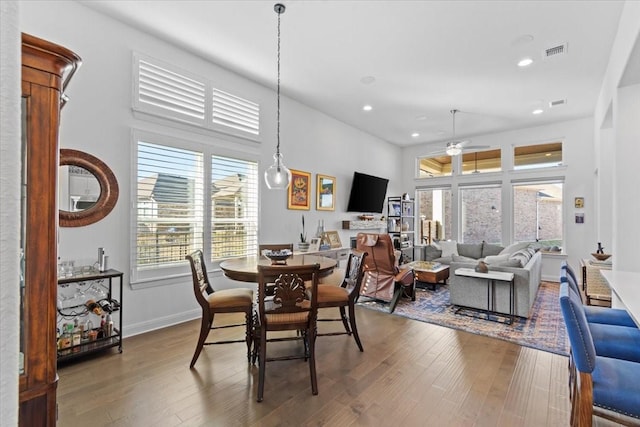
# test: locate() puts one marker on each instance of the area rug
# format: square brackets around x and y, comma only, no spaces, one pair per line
[544,330]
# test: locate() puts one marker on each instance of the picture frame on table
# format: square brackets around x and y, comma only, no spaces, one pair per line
[299,190]
[325,192]
[314,244]
[333,239]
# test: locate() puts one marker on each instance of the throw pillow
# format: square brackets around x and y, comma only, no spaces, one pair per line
[448,247]
[431,253]
[523,256]
[514,248]
[495,259]
[471,250]
[461,258]
[488,249]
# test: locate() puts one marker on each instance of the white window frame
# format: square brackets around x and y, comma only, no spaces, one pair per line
[241,115]
[176,273]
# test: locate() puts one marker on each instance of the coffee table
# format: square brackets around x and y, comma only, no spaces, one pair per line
[429,273]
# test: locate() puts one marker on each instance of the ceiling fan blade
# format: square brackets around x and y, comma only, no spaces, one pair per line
[435,153]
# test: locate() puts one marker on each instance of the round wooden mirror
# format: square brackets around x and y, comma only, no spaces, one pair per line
[99,199]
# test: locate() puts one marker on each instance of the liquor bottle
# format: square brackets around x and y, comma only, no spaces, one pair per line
[108,326]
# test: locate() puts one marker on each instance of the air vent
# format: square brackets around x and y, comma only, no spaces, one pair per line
[557,103]
[555,51]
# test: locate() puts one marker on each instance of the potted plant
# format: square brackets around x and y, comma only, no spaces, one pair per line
[303,245]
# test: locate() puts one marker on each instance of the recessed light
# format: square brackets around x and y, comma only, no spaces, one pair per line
[525,62]
[367,108]
[537,111]
[415,134]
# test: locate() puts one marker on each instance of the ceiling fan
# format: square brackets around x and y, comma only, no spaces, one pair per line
[454,147]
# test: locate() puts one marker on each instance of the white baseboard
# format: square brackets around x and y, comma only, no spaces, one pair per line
[160,322]
[550,278]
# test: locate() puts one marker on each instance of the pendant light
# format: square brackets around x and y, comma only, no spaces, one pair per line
[278,176]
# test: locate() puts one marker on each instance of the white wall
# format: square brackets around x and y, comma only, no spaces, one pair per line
[578,169]
[98,119]
[617,132]
[9,210]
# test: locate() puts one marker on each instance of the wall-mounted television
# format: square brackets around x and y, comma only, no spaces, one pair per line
[368,193]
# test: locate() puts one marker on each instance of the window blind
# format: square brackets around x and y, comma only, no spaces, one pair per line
[175,94]
[165,91]
[234,207]
[170,202]
[235,112]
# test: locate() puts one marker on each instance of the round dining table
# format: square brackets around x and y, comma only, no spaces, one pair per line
[246,269]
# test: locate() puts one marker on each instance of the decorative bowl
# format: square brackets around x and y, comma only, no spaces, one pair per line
[278,257]
[601,257]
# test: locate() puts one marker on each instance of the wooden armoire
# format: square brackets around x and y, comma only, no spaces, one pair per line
[46,70]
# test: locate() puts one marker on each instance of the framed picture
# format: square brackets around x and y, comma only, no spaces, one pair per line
[299,190]
[333,238]
[579,202]
[579,218]
[326,193]
[394,208]
[314,244]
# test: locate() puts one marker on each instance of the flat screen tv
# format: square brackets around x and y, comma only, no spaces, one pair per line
[367,193]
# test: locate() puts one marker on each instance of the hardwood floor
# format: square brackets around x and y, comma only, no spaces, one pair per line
[410,374]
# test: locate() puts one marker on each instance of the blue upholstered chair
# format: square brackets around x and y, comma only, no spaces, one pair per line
[595,314]
[601,386]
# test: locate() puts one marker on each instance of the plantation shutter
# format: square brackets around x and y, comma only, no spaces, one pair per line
[169,204]
[234,207]
[235,112]
[170,93]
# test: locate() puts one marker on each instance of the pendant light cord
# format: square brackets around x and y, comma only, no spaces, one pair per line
[279,8]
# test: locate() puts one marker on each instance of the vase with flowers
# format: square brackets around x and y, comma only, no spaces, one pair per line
[303,245]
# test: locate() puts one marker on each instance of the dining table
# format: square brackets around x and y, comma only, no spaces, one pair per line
[246,269]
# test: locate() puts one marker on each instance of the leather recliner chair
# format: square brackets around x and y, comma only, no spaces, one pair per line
[383,280]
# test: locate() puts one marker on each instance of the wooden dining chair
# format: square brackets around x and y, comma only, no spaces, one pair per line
[288,310]
[344,296]
[238,300]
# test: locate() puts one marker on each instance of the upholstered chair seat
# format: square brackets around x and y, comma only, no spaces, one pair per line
[231,298]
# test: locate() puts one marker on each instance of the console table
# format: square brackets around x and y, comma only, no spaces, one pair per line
[492,277]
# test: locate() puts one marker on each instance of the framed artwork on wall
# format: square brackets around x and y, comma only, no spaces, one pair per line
[326,193]
[579,202]
[299,190]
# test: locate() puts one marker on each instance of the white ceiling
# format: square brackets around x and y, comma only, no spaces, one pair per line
[427,57]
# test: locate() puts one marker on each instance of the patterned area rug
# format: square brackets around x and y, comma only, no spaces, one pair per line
[544,330]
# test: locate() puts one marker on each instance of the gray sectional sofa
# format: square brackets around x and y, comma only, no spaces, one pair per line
[524,260]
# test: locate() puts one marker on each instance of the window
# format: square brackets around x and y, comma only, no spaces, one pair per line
[234,208]
[166,91]
[170,204]
[434,166]
[480,214]
[481,161]
[434,210]
[174,215]
[537,156]
[537,214]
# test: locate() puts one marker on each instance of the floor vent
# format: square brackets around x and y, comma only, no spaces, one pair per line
[555,51]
